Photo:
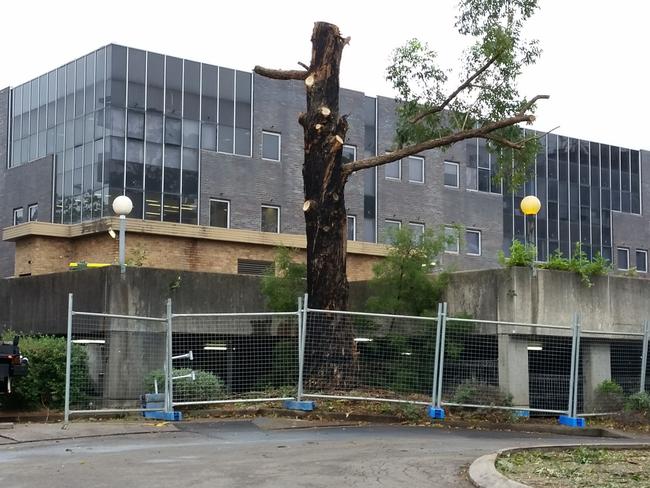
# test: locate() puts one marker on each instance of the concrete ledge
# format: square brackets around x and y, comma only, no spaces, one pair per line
[483,472]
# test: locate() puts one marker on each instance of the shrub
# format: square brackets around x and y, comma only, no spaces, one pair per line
[639,402]
[206,386]
[473,392]
[579,264]
[520,255]
[609,397]
[44,384]
[284,282]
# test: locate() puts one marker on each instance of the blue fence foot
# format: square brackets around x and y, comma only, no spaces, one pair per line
[522,413]
[578,422]
[171,416]
[304,405]
[436,413]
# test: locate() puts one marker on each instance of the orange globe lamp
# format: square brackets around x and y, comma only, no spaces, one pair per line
[530,205]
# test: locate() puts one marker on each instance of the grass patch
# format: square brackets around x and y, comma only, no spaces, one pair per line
[580,467]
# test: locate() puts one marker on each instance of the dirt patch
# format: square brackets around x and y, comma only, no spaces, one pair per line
[579,467]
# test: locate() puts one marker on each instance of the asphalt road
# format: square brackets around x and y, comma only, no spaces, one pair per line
[260,454]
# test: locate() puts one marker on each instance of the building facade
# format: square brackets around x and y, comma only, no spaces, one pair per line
[202,145]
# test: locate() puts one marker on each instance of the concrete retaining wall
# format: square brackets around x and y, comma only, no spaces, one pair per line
[39,303]
[613,303]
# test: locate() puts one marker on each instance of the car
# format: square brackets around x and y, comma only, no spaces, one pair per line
[12,364]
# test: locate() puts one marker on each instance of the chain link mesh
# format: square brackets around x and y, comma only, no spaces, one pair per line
[113,361]
[235,357]
[610,370]
[369,356]
[349,355]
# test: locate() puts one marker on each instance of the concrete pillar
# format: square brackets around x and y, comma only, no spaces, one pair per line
[134,349]
[596,368]
[513,369]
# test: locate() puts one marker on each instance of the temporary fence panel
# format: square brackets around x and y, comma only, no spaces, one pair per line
[611,370]
[349,355]
[112,360]
[235,357]
[506,365]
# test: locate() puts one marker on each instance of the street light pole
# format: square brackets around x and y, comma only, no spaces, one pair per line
[122,206]
[122,243]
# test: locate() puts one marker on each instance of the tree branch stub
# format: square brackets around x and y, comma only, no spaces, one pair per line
[279,74]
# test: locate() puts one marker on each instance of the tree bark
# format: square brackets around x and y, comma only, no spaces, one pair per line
[330,341]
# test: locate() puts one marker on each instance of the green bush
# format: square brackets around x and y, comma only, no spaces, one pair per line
[639,402]
[44,384]
[609,397]
[284,282]
[474,392]
[579,264]
[206,386]
[520,255]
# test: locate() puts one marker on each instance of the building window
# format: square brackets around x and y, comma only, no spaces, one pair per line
[416,169]
[473,242]
[32,213]
[270,219]
[623,258]
[352,228]
[451,174]
[642,260]
[19,216]
[393,170]
[452,244]
[220,213]
[349,153]
[390,227]
[417,230]
[271,146]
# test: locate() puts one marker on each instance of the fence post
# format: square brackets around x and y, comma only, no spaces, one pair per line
[68,360]
[300,351]
[644,354]
[299,403]
[436,358]
[577,370]
[573,365]
[169,394]
[443,334]
[571,418]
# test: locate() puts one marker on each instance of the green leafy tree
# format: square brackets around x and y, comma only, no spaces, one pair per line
[284,283]
[402,282]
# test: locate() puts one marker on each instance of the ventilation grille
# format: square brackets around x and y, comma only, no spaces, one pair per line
[253,267]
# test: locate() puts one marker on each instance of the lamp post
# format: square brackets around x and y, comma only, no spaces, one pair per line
[530,205]
[122,206]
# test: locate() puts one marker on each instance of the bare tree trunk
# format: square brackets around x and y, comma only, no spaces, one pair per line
[330,345]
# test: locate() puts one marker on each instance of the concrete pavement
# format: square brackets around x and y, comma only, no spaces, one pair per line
[264,452]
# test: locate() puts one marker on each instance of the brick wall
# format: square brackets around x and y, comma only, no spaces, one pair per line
[37,255]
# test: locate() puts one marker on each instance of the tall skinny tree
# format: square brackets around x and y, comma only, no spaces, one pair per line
[432,114]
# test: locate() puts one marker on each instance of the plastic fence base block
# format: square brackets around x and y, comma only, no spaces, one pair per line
[578,422]
[171,416]
[304,405]
[522,413]
[436,413]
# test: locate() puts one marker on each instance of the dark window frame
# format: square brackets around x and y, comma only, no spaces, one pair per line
[220,200]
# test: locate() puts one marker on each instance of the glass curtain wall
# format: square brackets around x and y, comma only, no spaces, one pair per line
[124,121]
[579,184]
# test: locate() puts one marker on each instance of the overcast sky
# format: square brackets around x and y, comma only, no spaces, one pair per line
[594,63]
